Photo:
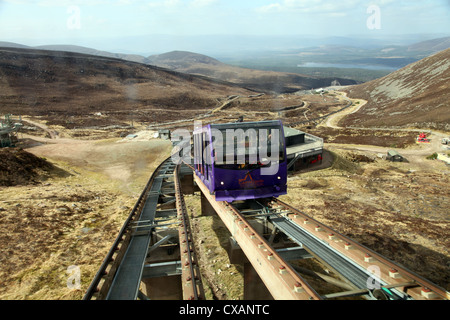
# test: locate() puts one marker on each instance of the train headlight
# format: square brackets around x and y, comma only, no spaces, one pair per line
[222,183]
[279,178]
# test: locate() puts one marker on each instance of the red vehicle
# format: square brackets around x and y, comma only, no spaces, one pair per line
[422,138]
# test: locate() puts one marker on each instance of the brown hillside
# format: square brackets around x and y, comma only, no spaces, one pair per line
[265,81]
[19,167]
[415,96]
[71,88]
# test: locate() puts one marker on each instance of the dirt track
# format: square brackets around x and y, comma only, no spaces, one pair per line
[333,120]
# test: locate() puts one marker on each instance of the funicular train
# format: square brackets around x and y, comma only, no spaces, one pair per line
[241,161]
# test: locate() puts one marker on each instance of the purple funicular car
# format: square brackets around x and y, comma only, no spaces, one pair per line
[241,161]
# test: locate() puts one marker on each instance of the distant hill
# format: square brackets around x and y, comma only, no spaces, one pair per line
[6,44]
[266,81]
[415,96]
[85,50]
[178,60]
[349,59]
[75,89]
[434,45]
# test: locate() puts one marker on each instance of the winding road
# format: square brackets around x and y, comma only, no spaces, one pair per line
[415,155]
[52,133]
[333,120]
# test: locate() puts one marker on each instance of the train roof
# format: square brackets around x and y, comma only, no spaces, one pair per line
[244,125]
[289,132]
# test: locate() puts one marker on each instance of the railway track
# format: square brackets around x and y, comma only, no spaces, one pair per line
[158,222]
[156,241]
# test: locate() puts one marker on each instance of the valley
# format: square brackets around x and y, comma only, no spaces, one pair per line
[342,58]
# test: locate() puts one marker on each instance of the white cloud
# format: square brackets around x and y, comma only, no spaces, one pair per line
[16,1]
[274,7]
[68,3]
[202,3]
[337,8]
[171,3]
[164,4]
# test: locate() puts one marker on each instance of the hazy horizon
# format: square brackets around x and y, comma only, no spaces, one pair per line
[118,24]
[228,45]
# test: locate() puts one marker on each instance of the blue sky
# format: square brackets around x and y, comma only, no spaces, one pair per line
[66,21]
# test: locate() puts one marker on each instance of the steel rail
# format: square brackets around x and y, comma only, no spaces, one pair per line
[191,278]
[390,272]
[120,245]
[316,247]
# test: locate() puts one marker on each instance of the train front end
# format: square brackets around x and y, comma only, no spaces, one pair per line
[248,161]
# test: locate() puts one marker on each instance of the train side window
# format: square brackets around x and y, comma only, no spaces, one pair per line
[203,155]
[195,151]
[207,155]
[198,151]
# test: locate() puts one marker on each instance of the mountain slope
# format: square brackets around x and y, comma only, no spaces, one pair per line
[415,96]
[73,87]
[267,81]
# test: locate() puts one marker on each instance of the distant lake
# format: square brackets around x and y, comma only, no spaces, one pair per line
[345,66]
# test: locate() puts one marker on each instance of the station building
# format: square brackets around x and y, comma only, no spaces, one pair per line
[303,149]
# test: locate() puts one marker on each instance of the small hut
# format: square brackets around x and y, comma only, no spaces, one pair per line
[394,156]
[164,134]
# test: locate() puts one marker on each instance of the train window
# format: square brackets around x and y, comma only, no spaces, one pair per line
[198,152]
[195,151]
[206,156]
[247,150]
[203,148]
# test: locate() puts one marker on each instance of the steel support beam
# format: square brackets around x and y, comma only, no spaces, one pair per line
[280,279]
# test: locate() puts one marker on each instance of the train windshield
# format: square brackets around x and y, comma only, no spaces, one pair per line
[248,149]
